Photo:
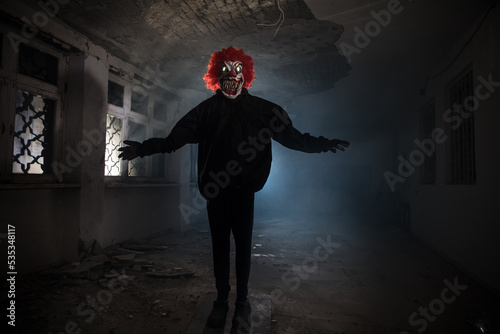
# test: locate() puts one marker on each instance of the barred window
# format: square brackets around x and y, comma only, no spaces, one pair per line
[32,80]
[136,114]
[114,128]
[461,158]
[427,125]
[33,130]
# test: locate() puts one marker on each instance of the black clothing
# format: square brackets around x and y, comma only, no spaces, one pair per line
[234,138]
[232,211]
[234,161]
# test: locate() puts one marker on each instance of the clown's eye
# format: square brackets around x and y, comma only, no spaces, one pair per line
[225,69]
[238,69]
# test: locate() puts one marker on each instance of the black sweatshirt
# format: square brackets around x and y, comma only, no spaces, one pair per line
[234,138]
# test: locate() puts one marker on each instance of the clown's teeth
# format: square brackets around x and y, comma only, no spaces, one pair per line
[230,84]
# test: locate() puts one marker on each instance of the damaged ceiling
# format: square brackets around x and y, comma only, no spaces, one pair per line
[285,39]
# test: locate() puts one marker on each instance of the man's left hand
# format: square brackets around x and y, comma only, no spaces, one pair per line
[337,144]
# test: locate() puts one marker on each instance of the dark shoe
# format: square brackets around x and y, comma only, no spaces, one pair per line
[217,317]
[242,316]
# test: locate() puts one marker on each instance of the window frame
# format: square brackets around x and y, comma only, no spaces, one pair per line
[11,81]
[127,115]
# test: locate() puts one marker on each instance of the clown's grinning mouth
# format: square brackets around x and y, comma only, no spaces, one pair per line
[230,85]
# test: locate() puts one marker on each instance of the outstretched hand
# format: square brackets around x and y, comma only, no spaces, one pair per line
[131,151]
[337,144]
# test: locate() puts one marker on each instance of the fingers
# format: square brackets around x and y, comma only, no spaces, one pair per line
[338,144]
[344,143]
[129,152]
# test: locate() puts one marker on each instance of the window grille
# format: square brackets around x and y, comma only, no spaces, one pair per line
[461,158]
[32,152]
[114,126]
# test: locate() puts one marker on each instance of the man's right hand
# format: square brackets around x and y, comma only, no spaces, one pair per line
[131,151]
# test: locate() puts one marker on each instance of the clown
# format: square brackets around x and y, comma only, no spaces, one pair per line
[227,70]
[233,130]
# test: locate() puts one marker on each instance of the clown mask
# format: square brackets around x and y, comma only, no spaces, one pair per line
[231,78]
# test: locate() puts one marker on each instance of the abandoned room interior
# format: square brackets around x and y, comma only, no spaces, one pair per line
[398,233]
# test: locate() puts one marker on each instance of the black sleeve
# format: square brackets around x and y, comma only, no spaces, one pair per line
[186,131]
[288,136]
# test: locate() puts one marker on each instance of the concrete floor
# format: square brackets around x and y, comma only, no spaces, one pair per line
[324,274]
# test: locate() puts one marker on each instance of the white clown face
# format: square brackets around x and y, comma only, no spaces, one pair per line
[231,78]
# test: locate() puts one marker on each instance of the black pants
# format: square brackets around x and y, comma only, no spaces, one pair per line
[229,212]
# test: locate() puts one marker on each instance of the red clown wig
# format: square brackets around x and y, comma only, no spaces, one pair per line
[230,54]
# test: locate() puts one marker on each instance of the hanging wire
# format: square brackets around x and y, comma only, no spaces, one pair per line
[281,18]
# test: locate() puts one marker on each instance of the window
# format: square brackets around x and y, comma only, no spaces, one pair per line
[461,158]
[32,79]
[115,94]
[33,132]
[37,64]
[427,125]
[134,113]
[114,128]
